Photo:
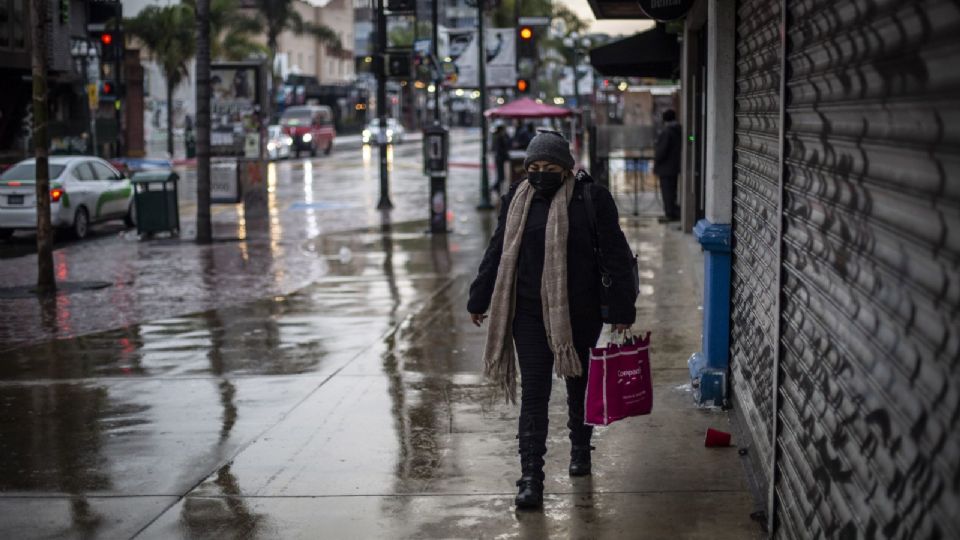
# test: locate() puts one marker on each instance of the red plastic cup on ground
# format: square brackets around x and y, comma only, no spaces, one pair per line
[716,438]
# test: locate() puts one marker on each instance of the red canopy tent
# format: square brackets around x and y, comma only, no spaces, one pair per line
[528,108]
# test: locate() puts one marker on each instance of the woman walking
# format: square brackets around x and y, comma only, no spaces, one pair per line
[540,281]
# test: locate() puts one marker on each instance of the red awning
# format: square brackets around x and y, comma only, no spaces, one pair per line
[528,108]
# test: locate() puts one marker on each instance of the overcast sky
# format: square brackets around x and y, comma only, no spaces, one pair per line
[607,26]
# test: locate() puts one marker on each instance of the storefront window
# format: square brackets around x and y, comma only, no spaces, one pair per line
[19,14]
[4,23]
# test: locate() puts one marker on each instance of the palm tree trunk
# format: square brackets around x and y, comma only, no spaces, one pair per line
[272,58]
[204,232]
[169,116]
[38,21]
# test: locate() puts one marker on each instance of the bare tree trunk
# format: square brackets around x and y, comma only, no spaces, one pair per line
[204,232]
[38,22]
[169,117]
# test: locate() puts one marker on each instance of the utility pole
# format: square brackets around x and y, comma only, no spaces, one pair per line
[484,173]
[46,283]
[119,55]
[576,74]
[435,50]
[204,228]
[384,203]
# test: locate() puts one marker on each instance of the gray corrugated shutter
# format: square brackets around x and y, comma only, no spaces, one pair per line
[755,206]
[869,396]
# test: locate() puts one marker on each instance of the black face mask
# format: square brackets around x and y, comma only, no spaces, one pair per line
[545,181]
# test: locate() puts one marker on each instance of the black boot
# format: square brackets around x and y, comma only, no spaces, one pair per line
[532,448]
[580,460]
[530,495]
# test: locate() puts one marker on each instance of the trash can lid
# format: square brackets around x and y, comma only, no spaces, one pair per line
[158,175]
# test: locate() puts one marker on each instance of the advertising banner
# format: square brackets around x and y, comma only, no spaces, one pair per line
[234,108]
[500,45]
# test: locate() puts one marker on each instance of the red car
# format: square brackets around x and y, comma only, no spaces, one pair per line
[310,127]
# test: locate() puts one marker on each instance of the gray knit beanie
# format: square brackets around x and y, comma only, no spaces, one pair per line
[549,146]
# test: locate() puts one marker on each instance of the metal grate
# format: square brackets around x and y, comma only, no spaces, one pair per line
[870,374]
[755,201]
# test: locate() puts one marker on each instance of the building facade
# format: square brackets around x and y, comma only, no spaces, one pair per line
[832,225]
[823,138]
[305,55]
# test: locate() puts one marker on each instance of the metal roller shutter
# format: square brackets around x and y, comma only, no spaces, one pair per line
[869,378]
[754,224]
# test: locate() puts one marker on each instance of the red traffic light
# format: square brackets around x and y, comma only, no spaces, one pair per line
[106,39]
[526,32]
[107,89]
[522,85]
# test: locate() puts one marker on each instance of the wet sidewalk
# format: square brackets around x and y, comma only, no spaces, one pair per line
[351,406]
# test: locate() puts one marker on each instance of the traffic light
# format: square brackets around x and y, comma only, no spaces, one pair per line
[110,91]
[111,45]
[402,5]
[526,41]
[523,86]
[399,66]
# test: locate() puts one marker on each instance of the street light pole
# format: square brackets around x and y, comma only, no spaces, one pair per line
[385,203]
[436,58]
[484,174]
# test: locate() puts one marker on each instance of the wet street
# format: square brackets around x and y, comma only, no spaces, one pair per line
[313,374]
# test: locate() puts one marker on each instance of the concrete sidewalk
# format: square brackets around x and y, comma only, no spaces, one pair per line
[333,390]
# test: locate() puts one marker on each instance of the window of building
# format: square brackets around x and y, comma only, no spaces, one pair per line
[19,14]
[4,23]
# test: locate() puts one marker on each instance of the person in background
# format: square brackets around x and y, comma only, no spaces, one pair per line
[540,282]
[501,150]
[523,137]
[666,165]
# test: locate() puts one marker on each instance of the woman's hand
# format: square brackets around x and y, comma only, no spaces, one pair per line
[477,319]
[620,328]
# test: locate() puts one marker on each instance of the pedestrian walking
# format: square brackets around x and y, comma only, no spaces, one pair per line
[523,136]
[540,281]
[666,165]
[501,149]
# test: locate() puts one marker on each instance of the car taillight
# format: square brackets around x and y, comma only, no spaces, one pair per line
[56,194]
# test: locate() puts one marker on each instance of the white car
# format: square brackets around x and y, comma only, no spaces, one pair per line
[278,143]
[83,190]
[395,132]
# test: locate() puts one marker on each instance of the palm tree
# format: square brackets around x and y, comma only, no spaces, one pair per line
[168,34]
[232,32]
[281,15]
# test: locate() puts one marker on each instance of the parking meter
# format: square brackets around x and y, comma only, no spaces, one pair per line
[436,143]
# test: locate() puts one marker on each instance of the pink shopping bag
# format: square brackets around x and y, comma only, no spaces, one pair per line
[618,382]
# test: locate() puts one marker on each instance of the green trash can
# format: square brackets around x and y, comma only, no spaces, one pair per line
[155,200]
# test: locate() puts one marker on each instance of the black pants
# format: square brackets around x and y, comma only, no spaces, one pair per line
[668,191]
[536,379]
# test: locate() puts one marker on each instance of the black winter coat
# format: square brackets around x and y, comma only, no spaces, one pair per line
[583,276]
[667,157]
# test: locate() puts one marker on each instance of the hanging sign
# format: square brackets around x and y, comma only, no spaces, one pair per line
[665,10]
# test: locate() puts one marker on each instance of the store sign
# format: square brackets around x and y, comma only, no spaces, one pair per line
[665,10]
[224,183]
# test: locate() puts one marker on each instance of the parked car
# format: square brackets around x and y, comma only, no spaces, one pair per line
[278,143]
[395,132]
[83,190]
[310,127]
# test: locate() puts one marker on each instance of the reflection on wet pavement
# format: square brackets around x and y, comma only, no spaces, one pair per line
[352,407]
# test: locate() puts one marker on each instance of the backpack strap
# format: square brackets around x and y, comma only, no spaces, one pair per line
[594,231]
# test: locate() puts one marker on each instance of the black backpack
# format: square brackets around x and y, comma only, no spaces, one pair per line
[606,281]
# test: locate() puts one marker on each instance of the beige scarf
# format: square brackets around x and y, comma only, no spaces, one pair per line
[499,356]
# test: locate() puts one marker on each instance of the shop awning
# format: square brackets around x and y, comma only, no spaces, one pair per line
[653,53]
[616,9]
[528,108]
